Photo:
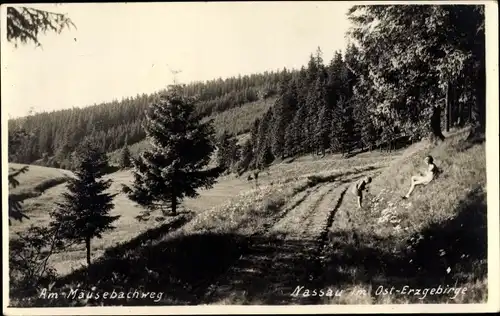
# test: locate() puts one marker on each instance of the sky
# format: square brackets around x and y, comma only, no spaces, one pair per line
[122,49]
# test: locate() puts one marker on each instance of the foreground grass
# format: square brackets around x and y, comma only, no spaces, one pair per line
[436,238]
[229,190]
[167,253]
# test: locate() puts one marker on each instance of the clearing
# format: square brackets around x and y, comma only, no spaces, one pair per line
[299,228]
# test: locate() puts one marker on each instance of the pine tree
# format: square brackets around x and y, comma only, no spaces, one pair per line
[254,142]
[299,131]
[175,166]
[317,106]
[323,128]
[227,153]
[283,112]
[365,133]
[290,136]
[346,130]
[334,83]
[125,157]
[342,127]
[263,154]
[312,71]
[84,213]
[246,157]
[25,24]
[234,153]
[446,46]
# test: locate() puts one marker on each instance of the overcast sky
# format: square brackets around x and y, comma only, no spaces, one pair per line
[119,50]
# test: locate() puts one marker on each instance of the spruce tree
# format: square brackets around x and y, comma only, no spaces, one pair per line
[290,136]
[334,78]
[175,166]
[317,106]
[254,142]
[246,157]
[26,24]
[234,153]
[263,155]
[347,132]
[84,213]
[298,130]
[227,152]
[125,158]
[323,128]
[283,112]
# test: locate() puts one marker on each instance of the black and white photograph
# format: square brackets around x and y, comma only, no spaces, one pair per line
[317,156]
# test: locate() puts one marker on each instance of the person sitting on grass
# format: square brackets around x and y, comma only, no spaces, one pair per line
[423,179]
[359,187]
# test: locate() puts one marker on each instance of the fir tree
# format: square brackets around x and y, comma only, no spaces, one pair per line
[234,153]
[25,24]
[316,105]
[334,83]
[283,112]
[246,157]
[341,127]
[125,157]
[323,129]
[175,166]
[227,152]
[263,154]
[254,142]
[84,213]
[290,145]
[365,128]
[298,131]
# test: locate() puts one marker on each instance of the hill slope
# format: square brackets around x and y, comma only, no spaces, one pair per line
[301,227]
[236,121]
[435,238]
[37,179]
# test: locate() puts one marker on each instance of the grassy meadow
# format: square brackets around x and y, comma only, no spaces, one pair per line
[247,242]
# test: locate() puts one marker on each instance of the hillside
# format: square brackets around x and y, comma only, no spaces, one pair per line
[37,179]
[302,218]
[237,121]
[53,136]
[437,237]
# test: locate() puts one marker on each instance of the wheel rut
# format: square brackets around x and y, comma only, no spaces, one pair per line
[288,253]
[281,258]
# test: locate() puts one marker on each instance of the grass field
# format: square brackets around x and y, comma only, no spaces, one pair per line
[37,178]
[243,242]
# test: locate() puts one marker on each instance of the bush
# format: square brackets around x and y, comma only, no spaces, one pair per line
[29,255]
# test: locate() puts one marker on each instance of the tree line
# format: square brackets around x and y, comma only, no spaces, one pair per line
[387,88]
[54,136]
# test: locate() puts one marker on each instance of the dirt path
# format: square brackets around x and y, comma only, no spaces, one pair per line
[284,256]
[288,254]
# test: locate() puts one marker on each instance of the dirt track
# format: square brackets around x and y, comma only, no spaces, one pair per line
[288,254]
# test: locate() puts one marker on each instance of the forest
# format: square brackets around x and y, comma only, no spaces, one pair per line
[364,98]
[114,124]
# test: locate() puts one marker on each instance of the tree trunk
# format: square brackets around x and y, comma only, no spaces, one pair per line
[447,107]
[87,245]
[479,107]
[435,123]
[461,116]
